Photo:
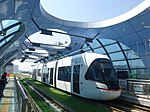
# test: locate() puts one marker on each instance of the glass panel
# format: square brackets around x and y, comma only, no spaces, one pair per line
[1,37]
[101,70]
[76,74]
[51,75]
[86,48]
[0,27]
[100,51]
[7,23]
[106,41]
[112,48]
[117,56]
[131,54]
[64,73]
[39,72]
[95,44]
[136,63]
[124,47]
[9,38]
[120,65]
[2,43]
[34,73]
[90,51]
[12,30]
[140,73]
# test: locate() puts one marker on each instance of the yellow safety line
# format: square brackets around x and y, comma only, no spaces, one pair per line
[6,101]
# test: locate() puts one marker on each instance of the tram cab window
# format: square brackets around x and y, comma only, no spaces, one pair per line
[64,73]
[100,70]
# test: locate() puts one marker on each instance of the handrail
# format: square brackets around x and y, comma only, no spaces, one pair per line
[24,96]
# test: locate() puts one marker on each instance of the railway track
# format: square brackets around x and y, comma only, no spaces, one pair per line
[113,105]
[31,103]
[120,106]
[55,105]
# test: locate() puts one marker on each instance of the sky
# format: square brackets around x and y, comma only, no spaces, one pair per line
[88,10]
[84,11]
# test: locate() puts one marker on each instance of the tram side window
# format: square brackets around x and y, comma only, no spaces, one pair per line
[51,75]
[39,72]
[34,72]
[64,73]
[47,73]
[51,72]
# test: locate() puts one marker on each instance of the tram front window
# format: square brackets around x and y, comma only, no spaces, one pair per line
[101,70]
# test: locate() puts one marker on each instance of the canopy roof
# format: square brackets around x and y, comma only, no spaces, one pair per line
[127,35]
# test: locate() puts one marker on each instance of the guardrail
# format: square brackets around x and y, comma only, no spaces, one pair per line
[22,99]
[137,87]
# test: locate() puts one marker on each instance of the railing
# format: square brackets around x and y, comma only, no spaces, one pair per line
[22,99]
[137,87]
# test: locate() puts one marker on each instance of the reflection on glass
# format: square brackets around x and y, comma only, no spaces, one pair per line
[113,48]
[130,54]
[136,63]
[100,51]
[7,31]
[117,56]
[107,41]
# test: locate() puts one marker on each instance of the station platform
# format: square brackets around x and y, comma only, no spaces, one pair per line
[142,100]
[8,101]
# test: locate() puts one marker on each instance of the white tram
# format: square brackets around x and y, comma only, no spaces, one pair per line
[88,75]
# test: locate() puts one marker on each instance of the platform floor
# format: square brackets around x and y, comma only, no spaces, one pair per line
[8,102]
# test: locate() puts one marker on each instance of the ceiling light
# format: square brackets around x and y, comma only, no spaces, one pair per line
[46,32]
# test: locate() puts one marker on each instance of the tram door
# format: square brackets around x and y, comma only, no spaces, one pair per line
[55,73]
[51,75]
[76,73]
[45,73]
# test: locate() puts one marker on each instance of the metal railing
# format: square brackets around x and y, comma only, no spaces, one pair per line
[136,87]
[22,99]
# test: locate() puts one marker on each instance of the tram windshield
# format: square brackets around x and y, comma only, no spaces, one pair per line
[101,70]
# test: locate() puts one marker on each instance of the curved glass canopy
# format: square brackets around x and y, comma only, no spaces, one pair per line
[8,28]
[131,29]
[122,56]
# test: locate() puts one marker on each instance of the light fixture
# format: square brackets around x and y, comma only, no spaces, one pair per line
[46,32]
[49,32]
[36,44]
[52,55]
[31,49]
[68,48]
[28,52]
[89,40]
[81,51]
